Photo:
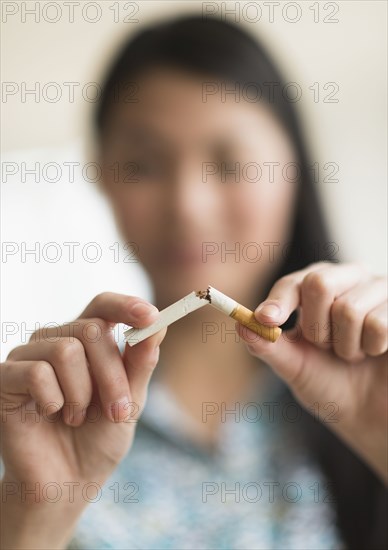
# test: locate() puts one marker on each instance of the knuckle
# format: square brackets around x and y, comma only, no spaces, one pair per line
[13,353]
[100,326]
[127,302]
[36,336]
[375,335]
[316,284]
[101,298]
[115,385]
[152,359]
[82,396]
[285,280]
[38,374]
[375,326]
[346,312]
[118,381]
[66,351]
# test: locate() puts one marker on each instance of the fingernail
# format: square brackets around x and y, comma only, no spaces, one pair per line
[141,309]
[269,310]
[119,408]
[77,418]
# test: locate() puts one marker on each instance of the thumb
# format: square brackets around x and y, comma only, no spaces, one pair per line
[285,356]
[140,362]
[306,369]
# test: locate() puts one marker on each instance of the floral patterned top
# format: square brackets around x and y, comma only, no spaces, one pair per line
[258,489]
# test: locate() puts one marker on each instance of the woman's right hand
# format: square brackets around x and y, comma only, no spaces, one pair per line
[77,377]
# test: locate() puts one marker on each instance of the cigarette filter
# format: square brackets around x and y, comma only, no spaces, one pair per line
[196,300]
[242,314]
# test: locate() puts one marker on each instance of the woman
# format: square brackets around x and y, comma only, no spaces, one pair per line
[183,162]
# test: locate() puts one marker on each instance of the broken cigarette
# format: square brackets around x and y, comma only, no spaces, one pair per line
[196,300]
[169,315]
[241,314]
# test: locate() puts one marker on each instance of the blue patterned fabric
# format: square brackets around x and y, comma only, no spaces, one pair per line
[258,489]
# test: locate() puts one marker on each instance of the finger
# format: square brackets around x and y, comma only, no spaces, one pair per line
[105,364]
[23,380]
[374,340]
[348,313]
[113,308]
[308,371]
[102,353]
[119,308]
[108,370]
[140,362]
[318,291]
[284,297]
[70,365]
[285,356]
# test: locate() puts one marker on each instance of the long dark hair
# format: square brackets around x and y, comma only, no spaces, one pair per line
[226,53]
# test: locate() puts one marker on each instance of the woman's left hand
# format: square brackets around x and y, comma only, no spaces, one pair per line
[335,358]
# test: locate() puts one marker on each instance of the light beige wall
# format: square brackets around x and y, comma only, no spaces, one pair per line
[351,53]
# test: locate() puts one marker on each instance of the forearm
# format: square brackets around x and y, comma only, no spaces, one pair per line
[43,525]
[375,453]
[370,443]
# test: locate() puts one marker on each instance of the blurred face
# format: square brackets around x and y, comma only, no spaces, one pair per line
[201,183]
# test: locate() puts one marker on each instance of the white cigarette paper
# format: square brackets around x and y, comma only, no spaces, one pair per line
[195,300]
[169,315]
[221,301]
